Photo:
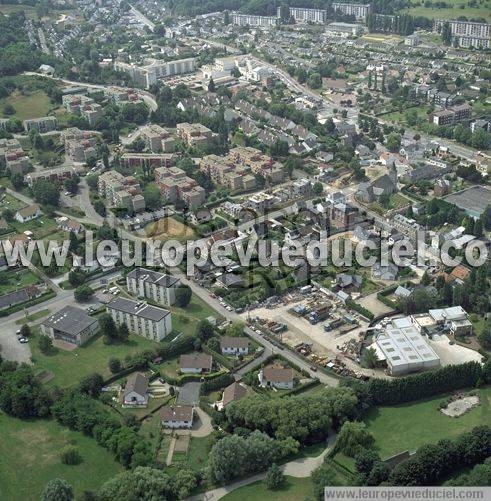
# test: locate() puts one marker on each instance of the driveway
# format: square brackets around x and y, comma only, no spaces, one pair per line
[189,394]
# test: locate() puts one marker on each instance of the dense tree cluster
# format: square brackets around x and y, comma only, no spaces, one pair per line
[479,475]
[80,412]
[305,418]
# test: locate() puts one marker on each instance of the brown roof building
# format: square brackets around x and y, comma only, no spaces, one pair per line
[195,363]
[177,416]
[232,393]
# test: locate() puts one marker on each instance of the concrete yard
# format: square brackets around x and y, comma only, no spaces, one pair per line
[453,353]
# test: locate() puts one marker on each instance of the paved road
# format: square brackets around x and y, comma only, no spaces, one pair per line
[300,468]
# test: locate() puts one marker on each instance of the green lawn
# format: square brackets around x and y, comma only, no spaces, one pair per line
[69,366]
[483,10]
[407,427]
[17,280]
[293,489]
[10,202]
[33,105]
[29,458]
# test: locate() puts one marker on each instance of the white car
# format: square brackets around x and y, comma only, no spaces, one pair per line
[23,340]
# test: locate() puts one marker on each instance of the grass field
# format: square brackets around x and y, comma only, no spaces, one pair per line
[69,366]
[29,458]
[407,427]
[17,280]
[461,8]
[292,489]
[33,105]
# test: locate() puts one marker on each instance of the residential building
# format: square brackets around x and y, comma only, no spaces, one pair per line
[277,377]
[388,272]
[153,70]
[71,325]
[148,321]
[177,416]
[70,225]
[20,296]
[467,33]
[85,106]
[28,213]
[121,191]
[41,125]
[232,393]
[80,145]
[412,40]
[404,349]
[136,390]
[55,175]
[451,115]
[196,363]
[12,157]
[157,139]
[152,160]
[252,20]
[455,319]
[302,15]
[175,185]
[159,287]
[194,134]
[360,11]
[234,345]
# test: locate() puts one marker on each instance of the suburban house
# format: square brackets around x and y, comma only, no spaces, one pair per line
[159,287]
[71,325]
[70,225]
[196,363]
[231,393]
[28,213]
[229,280]
[276,377]
[136,390]
[388,272]
[234,345]
[141,318]
[177,416]
[455,319]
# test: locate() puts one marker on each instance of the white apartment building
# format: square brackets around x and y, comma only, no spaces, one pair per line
[158,287]
[302,15]
[142,319]
[466,33]
[360,11]
[251,20]
[148,74]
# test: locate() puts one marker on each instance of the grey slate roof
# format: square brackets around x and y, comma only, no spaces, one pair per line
[70,320]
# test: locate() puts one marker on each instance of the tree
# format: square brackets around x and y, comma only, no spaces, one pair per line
[92,384]
[353,437]
[204,330]
[77,277]
[369,358]
[153,199]
[25,331]
[123,333]
[8,215]
[183,295]
[83,293]
[45,192]
[317,189]
[70,455]
[211,85]
[17,181]
[365,460]
[45,344]
[274,477]
[71,184]
[57,490]
[235,329]
[425,279]
[393,141]
[108,327]
[114,365]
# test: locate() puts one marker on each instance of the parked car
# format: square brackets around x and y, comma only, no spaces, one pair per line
[23,340]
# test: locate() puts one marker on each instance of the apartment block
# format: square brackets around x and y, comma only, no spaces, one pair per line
[194,134]
[157,139]
[344,29]
[258,162]
[451,115]
[225,172]
[41,125]
[360,11]
[467,33]
[82,105]
[55,175]
[123,96]
[147,74]
[121,191]
[159,287]
[12,157]
[151,159]
[252,20]
[142,319]
[302,15]
[80,145]
[175,185]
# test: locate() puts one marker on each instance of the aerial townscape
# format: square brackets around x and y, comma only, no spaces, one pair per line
[245,249]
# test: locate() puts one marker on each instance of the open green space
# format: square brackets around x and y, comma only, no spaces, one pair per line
[460,8]
[16,280]
[292,489]
[29,458]
[33,105]
[69,366]
[12,203]
[407,427]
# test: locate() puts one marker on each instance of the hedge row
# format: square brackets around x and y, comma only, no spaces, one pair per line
[32,302]
[360,309]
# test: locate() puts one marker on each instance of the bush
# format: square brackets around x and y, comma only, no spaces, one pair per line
[70,455]
[274,477]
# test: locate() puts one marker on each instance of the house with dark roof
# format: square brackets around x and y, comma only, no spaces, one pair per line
[70,324]
[234,345]
[177,416]
[18,297]
[229,280]
[384,185]
[159,287]
[347,281]
[276,377]
[28,213]
[136,390]
[232,393]
[195,363]
[388,272]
